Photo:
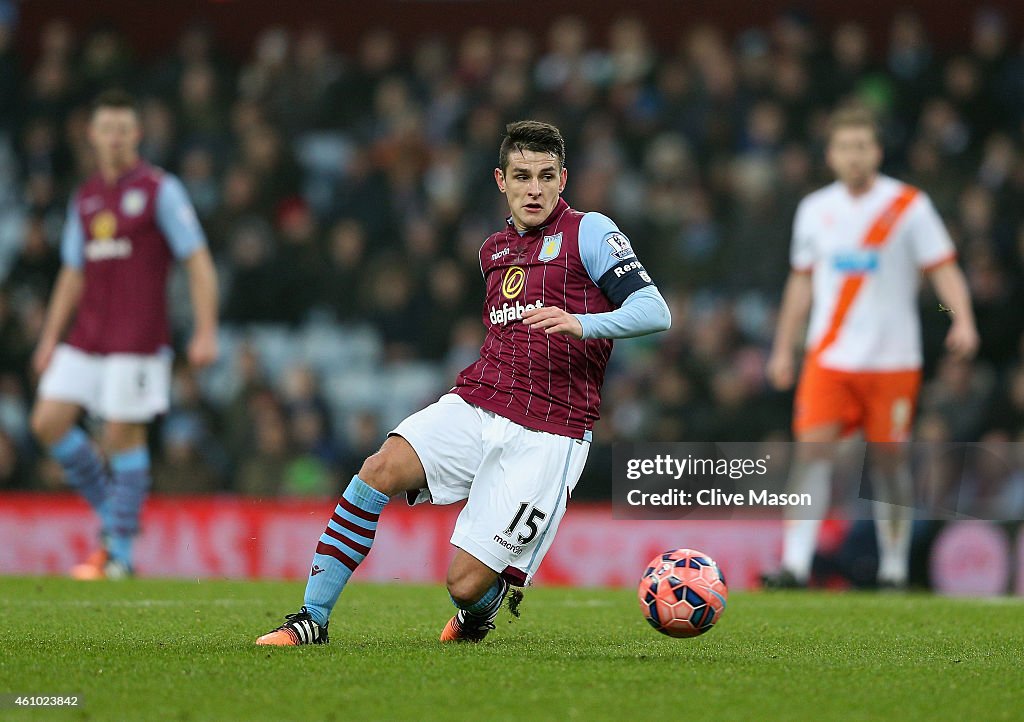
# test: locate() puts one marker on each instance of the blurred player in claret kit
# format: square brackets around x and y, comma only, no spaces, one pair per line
[513,434]
[125,226]
[859,247]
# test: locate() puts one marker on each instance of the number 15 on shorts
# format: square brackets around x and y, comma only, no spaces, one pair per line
[535,516]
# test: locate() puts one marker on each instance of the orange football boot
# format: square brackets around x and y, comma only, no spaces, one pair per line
[93,567]
[465,630]
[299,628]
[470,628]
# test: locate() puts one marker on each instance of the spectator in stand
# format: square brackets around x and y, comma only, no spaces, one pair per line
[703,148]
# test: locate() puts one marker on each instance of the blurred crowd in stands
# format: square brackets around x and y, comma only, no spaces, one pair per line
[345,192]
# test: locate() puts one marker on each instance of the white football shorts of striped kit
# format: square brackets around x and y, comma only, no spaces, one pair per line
[517,480]
[131,388]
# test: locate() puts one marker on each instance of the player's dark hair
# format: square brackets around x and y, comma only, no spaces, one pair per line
[531,135]
[115,98]
[854,116]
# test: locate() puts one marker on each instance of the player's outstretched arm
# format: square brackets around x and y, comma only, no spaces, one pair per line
[553,320]
[951,287]
[614,267]
[63,303]
[202,350]
[796,304]
[67,292]
[644,311]
[178,221]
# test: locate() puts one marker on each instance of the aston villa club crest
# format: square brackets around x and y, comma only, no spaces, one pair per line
[551,247]
[133,202]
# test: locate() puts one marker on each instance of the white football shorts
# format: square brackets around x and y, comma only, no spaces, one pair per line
[517,481]
[132,388]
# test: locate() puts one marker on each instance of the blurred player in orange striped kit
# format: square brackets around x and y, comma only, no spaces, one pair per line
[859,247]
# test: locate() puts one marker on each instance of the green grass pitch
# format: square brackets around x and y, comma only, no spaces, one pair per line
[179,650]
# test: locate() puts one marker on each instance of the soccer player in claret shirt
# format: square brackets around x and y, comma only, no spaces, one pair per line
[125,226]
[859,248]
[513,434]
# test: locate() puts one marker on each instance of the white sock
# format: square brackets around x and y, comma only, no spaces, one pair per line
[800,536]
[894,524]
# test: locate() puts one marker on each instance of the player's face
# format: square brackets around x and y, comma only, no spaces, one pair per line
[115,135]
[854,156]
[532,183]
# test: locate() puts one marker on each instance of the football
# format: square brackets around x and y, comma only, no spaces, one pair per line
[682,593]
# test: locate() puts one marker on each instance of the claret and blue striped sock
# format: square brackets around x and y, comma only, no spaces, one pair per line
[129,484]
[83,469]
[344,544]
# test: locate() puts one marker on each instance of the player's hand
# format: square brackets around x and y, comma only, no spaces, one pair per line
[202,350]
[43,355]
[962,339]
[553,320]
[781,369]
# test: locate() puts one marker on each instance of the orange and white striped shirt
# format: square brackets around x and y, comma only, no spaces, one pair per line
[866,254]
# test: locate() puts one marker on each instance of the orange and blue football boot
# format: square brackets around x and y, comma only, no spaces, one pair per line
[299,628]
[464,627]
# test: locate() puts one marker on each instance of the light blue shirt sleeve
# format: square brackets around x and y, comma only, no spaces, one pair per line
[72,242]
[644,311]
[177,218]
[598,256]
[604,247]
